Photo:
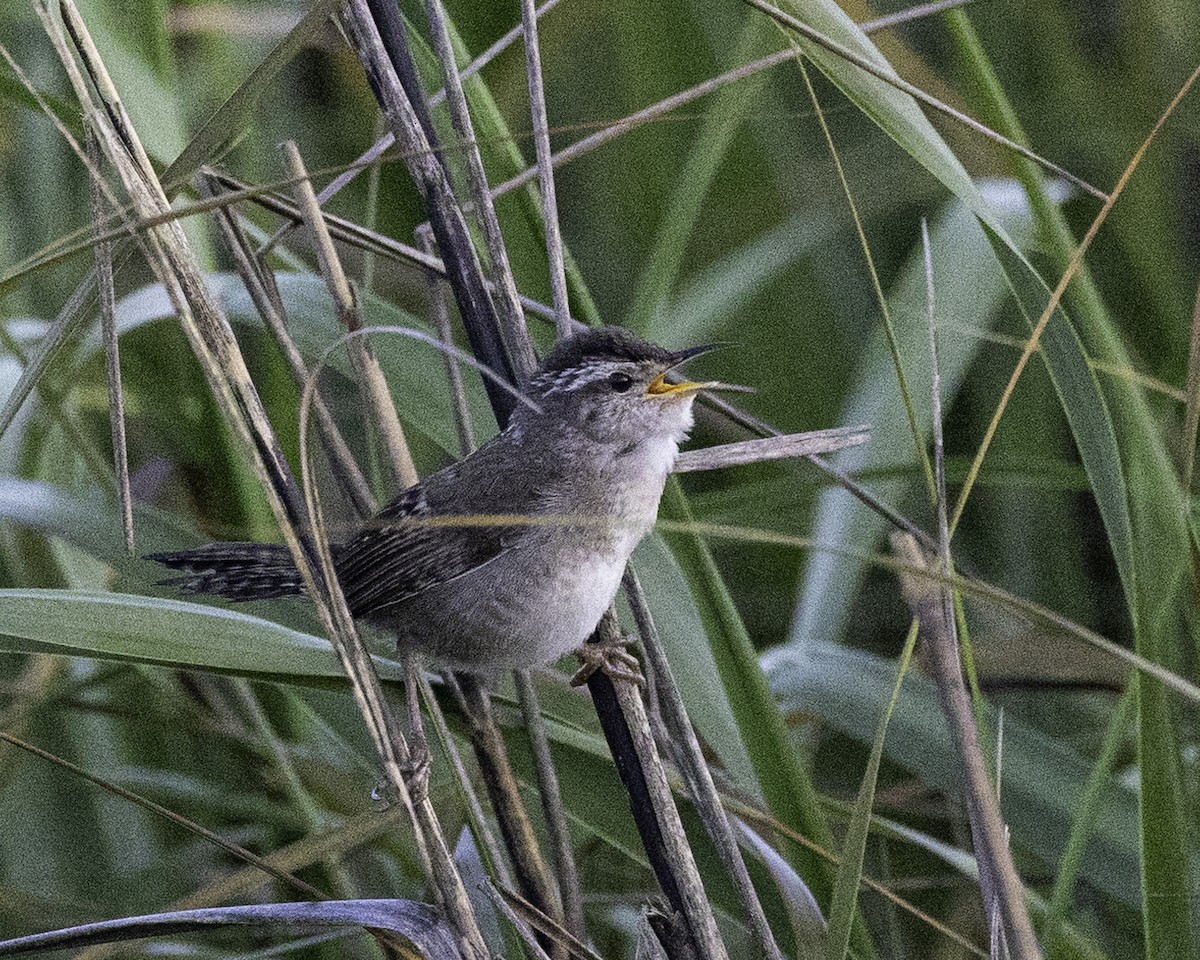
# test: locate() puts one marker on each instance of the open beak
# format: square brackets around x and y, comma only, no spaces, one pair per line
[661,387]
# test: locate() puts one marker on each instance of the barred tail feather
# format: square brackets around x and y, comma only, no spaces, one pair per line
[237,571]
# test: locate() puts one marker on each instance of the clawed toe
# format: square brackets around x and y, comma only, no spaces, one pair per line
[611,657]
[416,772]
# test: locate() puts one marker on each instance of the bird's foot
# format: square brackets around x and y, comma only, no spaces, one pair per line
[613,658]
[415,771]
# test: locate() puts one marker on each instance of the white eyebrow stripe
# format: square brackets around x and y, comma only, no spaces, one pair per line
[576,378]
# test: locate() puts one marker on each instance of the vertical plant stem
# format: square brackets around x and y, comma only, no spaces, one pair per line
[463,270]
[441,325]
[693,925]
[259,283]
[112,352]
[506,299]
[527,936]
[372,381]
[533,876]
[1187,442]
[369,156]
[1003,893]
[371,216]
[541,139]
[221,359]
[1000,886]
[694,767]
[483,829]
[552,805]
[884,310]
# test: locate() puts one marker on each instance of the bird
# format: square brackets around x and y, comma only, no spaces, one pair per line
[508,558]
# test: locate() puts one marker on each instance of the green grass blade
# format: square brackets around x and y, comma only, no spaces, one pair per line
[970,290]
[232,119]
[693,664]
[172,633]
[1044,779]
[845,891]
[1068,871]
[785,785]
[1084,405]
[423,401]
[1158,555]
[722,120]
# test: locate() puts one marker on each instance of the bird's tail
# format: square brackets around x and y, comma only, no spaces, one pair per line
[237,571]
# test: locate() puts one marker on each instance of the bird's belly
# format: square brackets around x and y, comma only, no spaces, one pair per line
[527,607]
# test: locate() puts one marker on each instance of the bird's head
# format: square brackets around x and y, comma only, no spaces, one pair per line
[615,387]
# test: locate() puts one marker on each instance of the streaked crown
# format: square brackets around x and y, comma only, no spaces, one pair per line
[593,355]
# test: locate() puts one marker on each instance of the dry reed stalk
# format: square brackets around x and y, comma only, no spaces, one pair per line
[212,340]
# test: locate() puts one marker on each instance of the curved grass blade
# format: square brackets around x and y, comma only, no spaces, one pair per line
[413,921]
[170,633]
[898,115]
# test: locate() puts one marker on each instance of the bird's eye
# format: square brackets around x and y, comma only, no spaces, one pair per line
[620,382]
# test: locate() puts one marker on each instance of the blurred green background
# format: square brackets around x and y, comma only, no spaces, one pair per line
[723,220]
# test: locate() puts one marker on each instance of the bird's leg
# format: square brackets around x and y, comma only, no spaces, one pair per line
[610,655]
[416,770]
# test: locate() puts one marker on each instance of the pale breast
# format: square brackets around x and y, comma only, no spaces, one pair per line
[544,594]
[528,606]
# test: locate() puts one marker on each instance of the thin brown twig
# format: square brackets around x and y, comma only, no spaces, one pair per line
[535,951]
[807,444]
[697,923]
[1004,902]
[531,916]
[920,11]
[999,883]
